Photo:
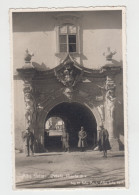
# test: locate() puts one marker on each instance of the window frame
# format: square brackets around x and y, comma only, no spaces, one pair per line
[67,39]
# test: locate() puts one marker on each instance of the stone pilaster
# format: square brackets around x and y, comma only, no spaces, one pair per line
[30,105]
[110,101]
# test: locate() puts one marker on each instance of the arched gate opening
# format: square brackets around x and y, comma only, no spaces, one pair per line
[74,116]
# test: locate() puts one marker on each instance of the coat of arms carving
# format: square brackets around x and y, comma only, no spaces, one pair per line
[69,74]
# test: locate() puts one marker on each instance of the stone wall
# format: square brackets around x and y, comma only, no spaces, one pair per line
[19,113]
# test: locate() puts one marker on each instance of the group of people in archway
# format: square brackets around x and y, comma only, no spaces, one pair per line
[103,142]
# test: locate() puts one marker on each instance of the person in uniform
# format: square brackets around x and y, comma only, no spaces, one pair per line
[29,142]
[103,142]
[65,140]
[82,143]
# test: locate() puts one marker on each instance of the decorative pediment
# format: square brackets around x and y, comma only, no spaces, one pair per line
[69,72]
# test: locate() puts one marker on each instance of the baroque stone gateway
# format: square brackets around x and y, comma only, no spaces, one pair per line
[71,85]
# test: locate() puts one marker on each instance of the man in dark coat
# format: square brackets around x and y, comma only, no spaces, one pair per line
[103,142]
[65,140]
[29,141]
[82,143]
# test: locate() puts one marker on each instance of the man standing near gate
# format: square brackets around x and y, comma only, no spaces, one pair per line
[103,142]
[82,143]
[29,142]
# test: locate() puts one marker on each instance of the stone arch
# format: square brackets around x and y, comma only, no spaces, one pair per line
[82,101]
[53,102]
[61,99]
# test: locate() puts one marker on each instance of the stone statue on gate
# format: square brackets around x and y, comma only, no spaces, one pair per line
[109,54]
[110,99]
[28,56]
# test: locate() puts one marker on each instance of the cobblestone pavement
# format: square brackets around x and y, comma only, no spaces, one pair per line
[70,170]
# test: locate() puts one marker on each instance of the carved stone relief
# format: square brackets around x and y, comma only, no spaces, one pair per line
[110,100]
[30,105]
[100,109]
[110,95]
[69,76]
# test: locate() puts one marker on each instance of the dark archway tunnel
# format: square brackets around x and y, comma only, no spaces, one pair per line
[74,116]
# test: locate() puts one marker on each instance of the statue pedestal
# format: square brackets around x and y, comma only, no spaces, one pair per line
[28,65]
[114,144]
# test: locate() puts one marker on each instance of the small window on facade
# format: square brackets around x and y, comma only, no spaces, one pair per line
[68,38]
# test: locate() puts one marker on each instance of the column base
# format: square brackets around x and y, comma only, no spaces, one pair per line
[114,144]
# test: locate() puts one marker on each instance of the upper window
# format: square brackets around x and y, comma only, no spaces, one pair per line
[68,38]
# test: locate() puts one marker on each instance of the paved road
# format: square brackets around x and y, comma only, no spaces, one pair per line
[70,170]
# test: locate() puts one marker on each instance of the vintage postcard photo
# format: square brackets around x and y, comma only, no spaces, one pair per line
[69,98]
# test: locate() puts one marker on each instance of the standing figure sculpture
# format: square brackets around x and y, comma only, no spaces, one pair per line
[65,140]
[103,142]
[110,100]
[109,54]
[29,142]
[28,56]
[82,143]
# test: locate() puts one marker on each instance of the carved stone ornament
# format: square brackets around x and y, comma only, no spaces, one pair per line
[110,84]
[69,74]
[110,104]
[101,111]
[99,98]
[39,107]
[110,99]
[30,105]
[28,56]
[69,93]
[109,54]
